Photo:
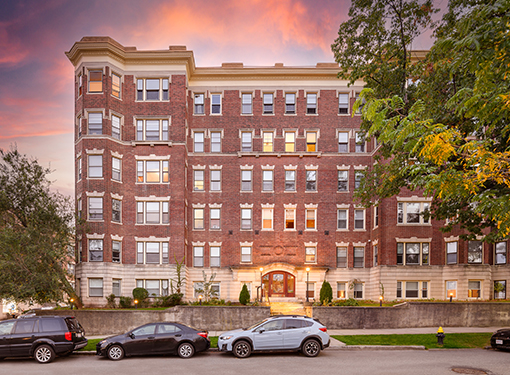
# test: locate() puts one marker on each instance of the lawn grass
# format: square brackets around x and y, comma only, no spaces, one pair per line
[91,345]
[429,341]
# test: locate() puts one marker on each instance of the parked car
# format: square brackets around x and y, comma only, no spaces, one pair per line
[155,338]
[41,337]
[282,332]
[501,339]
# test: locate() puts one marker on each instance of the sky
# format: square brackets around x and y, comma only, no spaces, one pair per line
[36,78]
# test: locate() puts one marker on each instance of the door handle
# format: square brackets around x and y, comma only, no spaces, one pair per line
[151,337]
[178,335]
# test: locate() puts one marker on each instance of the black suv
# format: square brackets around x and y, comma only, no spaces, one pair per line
[41,337]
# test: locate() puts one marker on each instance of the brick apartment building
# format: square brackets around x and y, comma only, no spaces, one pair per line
[247,173]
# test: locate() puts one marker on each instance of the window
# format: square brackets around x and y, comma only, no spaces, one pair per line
[246,218]
[412,289]
[116,169]
[215,218]
[311,180]
[343,180]
[116,213]
[342,219]
[360,108]
[215,141]
[152,171]
[310,254]
[198,180]
[359,255]
[290,103]
[340,291]
[116,85]
[78,168]
[475,251]
[376,255]
[267,219]
[358,176]
[311,104]
[95,287]
[199,104]
[424,289]
[152,213]
[95,250]
[215,104]
[198,142]
[399,289]
[359,219]
[116,290]
[290,219]
[311,141]
[215,180]
[311,219]
[246,143]
[95,123]
[95,208]
[152,130]
[152,89]
[80,84]
[416,253]
[156,288]
[310,290]
[115,127]
[268,104]
[290,180]
[343,142]
[267,180]
[245,254]
[78,120]
[451,289]
[95,81]
[451,252]
[500,289]
[474,289]
[152,252]
[500,249]
[79,208]
[360,142]
[343,104]
[341,257]
[95,166]
[198,256]
[376,216]
[290,141]
[246,104]
[116,246]
[267,141]
[215,252]
[198,218]
[246,180]
[412,212]
[358,290]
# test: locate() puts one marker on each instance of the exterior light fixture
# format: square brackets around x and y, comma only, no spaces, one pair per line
[200,299]
[380,301]
[136,303]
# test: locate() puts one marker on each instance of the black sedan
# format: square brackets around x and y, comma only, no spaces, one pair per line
[155,338]
[501,339]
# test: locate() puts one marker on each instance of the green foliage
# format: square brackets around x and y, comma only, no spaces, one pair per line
[179,280]
[244,296]
[170,300]
[205,287]
[125,302]
[141,295]
[110,301]
[36,233]
[346,302]
[326,293]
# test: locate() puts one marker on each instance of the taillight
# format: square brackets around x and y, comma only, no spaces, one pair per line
[324,329]
[203,334]
[69,336]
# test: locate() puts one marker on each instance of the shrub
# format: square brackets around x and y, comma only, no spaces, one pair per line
[170,300]
[347,302]
[125,302]
[110,301]
[244,296]
[326,293]
[141,295]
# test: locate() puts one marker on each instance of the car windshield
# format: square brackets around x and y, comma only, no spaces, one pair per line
[256,324]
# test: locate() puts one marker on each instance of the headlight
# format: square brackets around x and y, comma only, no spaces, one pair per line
[102,343]
[225,337]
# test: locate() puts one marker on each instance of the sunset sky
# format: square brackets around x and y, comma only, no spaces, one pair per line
[36,79]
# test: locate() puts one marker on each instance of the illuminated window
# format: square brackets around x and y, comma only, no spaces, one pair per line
[310,254]
[311,219]
[198,218]
[198,180]
[451,289]
[267,219]
[152,171]
[290,141]
[340,291]
[116,85]
[95,81]
[311,141]
[290,218]
[267,141]
[474,289]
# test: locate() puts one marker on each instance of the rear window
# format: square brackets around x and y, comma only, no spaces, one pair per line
[24,326]
[73,324]
[51,325]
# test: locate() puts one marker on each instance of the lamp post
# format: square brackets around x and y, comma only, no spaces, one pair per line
[261,284]
[72,302]
[307,280]
[451,297]
[136,304]
[380,301]
[200,299]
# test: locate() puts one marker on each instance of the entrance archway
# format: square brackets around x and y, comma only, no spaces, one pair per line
[279,284]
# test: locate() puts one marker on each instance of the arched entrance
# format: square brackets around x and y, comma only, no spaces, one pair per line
[279,284]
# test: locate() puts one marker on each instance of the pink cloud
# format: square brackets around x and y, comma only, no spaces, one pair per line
[13,51]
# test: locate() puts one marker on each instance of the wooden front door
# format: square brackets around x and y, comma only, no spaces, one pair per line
[279,284]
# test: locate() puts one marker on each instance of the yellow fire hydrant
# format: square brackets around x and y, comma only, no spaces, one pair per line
[440,336]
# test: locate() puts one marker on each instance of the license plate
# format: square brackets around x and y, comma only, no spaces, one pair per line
[78,334]
[499,342]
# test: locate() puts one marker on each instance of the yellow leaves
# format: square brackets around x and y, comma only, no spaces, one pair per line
[439,147]
[506,100]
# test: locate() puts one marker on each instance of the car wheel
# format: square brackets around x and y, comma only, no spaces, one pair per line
[115,352]
[241,349]
[44,354]
[186,350]
[311,348]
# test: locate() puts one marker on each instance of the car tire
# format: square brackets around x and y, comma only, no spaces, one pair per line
[241,349]
[44,354]
[185,350]
[311,348]
[115,352]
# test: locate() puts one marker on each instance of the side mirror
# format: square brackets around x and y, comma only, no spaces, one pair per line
[262,330]
[132,335]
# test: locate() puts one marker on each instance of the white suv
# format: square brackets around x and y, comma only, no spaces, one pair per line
[282,333]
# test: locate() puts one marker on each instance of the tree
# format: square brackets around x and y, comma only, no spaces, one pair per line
[450,138]
[205,288]
[36,233]
[244,296]
[326,293]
